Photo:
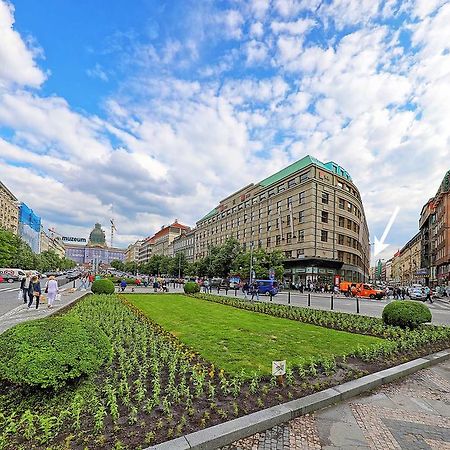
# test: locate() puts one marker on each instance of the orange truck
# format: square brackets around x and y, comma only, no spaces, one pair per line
[360,289]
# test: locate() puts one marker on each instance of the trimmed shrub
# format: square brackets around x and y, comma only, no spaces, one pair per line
[48,352]
[102,287]
[406,314]
[191,287]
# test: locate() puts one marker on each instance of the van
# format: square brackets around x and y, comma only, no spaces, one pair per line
[361,290]
[267,287]
[10,275]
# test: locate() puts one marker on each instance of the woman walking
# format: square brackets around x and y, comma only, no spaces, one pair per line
[52,290]
[35,291]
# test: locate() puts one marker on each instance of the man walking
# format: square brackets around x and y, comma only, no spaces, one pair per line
[25,287]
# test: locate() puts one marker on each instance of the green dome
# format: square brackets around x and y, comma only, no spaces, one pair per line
[97,236]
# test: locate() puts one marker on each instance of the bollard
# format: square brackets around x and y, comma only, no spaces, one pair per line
[309,299]
[74,281]
[226,291]
[357,305]
[235,292]
[270,295]
[332,302]
[218,289]
[289,297]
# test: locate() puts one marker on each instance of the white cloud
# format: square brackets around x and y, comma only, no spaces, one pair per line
[17,64]
[256,52]
[97,72]
[256,30]
[301,26]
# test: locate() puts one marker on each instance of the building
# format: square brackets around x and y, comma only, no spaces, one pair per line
[312,211]
[146,250]
[162,240]
[96,251]
[441,232]
[132,252]
[9,210]
[185,243]
[406,262]
[388,271]
[427,258]
[51,243]
[30,227]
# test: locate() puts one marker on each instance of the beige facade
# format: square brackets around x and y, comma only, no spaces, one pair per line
[406,263]
[9,210]
[185,244]
[132,252]
[310,210]
[54,244]
[163,238]
[146,250]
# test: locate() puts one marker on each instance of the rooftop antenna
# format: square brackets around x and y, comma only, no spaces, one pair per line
[113,229]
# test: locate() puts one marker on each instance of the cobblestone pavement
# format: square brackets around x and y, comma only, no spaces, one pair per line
[410,414]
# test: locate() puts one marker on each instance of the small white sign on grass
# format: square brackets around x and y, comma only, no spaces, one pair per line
[278,368]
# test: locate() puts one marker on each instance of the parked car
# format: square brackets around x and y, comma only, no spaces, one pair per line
[417,293]
[1,280]
[267,287]
[11,275]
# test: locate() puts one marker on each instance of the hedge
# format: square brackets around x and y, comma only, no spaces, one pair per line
[191,287]
[49,352]
[102,287]
[406,314]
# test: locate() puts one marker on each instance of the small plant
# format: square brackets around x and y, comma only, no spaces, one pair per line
[191,287]
[103,287]
[406,314]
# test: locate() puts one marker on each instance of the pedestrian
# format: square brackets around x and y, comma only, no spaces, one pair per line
[155,285]
[206,286]
[123,285]
[245,288]
[428,294]
[91,279]
[35,289]
[255,291]
[25,287]
[52,290]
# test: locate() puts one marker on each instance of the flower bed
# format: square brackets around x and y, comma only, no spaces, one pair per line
[154,388]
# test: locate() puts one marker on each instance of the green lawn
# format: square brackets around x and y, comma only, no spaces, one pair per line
[234,339]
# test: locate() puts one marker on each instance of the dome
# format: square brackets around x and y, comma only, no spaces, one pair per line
[97,236]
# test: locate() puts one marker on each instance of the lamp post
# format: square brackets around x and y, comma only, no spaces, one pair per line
[179,265]
[251,262]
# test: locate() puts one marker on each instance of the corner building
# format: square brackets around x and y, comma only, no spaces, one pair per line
[310,210]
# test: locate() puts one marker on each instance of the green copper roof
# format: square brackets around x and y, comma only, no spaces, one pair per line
[210,214]
[301,164]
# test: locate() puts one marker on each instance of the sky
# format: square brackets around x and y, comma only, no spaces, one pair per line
[152,110]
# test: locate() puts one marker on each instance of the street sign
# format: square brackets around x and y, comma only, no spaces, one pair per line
[278,368]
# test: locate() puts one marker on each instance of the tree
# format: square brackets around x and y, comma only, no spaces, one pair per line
[118,265]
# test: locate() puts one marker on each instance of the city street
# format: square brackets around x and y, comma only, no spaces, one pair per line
[10,291]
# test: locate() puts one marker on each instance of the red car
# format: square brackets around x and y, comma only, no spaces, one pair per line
[1,280]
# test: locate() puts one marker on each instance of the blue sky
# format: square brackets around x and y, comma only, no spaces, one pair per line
[154,110]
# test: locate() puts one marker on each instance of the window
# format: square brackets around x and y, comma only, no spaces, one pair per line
[301,236]
[278,240]
[324,217]
[324,236]
[260,228]
[255,200]
[262,196]
[340,185]
[300,252]
[281,188]
[260,213]
[277,223]
[288,238]
[269,210]
[341,203]
[245,218]
[349,207]
[341,221]
[354,227]
[271,192]
[288,254]
[349,241]
[301,216]
[340,256]
[303,177]
[269,226]
[288,220]
[340,239]
[349,224]
[325,197]
[268,241]
[278,206]
[291,183]
[289,201]
[301,197]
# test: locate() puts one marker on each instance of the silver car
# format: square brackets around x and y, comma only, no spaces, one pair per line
[417,294]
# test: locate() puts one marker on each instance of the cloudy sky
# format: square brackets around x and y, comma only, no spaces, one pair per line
[152,110]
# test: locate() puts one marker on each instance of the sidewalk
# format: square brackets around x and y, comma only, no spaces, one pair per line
[21,313]
[410,414]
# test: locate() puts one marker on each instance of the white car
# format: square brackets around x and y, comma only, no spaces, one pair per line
[417,293]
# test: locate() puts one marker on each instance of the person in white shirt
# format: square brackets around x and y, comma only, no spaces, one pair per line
[52,290]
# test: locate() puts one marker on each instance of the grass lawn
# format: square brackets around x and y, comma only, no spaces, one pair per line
[234,339]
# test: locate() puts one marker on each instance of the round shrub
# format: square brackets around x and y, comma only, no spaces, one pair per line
[191,287]
[102,287]
[406,313]
[48,352]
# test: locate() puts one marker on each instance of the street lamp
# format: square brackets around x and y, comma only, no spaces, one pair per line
[251,262]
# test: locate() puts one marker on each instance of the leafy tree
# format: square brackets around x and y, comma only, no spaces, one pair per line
[118,265]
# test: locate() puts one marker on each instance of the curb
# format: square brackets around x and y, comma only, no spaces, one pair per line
[233,430]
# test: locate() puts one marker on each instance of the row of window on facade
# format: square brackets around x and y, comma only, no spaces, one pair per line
[281,188]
